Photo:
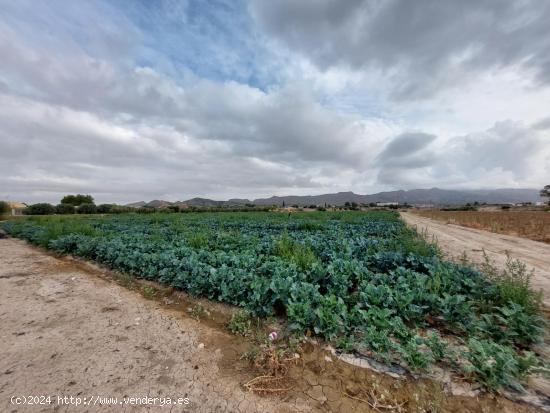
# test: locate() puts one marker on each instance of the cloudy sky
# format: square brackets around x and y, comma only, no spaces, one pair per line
[137,100]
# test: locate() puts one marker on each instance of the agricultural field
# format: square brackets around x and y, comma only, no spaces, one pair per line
[363,281]
[534,225]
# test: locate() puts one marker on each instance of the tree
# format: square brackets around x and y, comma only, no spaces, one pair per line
[63,209]
[105,208]
[87,209]
[77,200]
[4,207]
[39,209]
[545,193]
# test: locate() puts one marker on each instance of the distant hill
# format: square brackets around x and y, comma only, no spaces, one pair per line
[157,203]
[239,201]
[203,202]
[136,204]
[433,196]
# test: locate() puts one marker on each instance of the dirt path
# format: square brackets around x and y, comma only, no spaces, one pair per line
[65,331]
[454,240]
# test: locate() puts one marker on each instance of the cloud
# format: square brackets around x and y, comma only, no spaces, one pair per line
[507,154]
[94,108]
[542,124]
[516,151]
[406,146]
[422,46]
[404,157]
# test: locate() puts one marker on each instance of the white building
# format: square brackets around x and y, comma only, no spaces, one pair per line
[384,204]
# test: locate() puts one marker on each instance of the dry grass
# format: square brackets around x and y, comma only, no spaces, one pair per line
[534,225]
[274,363]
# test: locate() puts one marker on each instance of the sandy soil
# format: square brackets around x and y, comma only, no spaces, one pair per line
[455,239]
[67,329]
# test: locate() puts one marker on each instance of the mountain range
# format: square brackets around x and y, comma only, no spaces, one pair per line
[432,196]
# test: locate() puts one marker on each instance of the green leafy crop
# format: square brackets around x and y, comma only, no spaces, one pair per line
[360,279]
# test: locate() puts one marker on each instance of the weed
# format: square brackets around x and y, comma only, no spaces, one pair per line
[437,345]
[240,323]
[513,283]
[197,311]
[198,240]
[148,291]
[302,255]
[251,355]
[126,280]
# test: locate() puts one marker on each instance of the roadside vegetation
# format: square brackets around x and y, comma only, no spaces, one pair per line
[361,280]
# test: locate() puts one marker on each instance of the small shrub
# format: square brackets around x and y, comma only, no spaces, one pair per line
[513,284]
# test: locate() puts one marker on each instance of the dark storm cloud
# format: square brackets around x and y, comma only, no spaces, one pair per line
[423,45]
[406,145]
[403,155]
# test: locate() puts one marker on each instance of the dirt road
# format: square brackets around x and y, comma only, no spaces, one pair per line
[454,240]
[65,331]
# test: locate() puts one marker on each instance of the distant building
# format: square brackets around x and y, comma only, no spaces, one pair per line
[385,204]
[17,207]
